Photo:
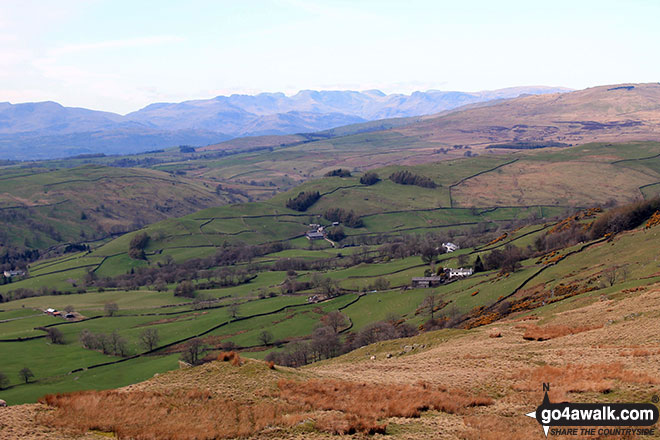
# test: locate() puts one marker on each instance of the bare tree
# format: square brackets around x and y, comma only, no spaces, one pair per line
[233,310]
[111,309]
[610,275]
[149,338]
[429,304]
[335,320]
[265,337]
[69,309]
[54,335]
[118,344]
[193,351]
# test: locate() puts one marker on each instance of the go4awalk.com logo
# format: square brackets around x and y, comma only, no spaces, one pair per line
[616,419]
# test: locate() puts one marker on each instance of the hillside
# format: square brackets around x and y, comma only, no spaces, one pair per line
[41,207]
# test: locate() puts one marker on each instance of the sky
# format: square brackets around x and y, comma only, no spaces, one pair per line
[122,55]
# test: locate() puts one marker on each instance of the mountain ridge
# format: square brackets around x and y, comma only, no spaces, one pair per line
[59,131]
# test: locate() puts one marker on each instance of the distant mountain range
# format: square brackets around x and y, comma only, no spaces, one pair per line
[47,129]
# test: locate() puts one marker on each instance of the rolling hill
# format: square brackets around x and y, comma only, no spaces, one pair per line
[41,207]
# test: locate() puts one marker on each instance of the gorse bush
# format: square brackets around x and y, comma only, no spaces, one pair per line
[405,177]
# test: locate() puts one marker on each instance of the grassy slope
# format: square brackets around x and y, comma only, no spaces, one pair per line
[40,208]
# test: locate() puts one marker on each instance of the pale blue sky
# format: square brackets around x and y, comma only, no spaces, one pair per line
[121,55]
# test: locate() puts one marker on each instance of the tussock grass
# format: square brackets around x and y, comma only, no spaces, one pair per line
[599,378]
[536,333]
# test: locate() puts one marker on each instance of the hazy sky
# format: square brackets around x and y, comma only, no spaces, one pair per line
[121,55]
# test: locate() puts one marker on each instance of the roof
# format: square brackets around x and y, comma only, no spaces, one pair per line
[427,278]
[315,234]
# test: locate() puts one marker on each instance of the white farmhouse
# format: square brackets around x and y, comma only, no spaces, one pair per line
[450,247]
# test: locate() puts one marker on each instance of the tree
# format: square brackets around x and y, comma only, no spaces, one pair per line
[137,245]
[4,381]
[335,320]
[369,178]
[193,351]
[185,289]
[69,309]
[233,310]
[149,338]
[429,253]
[118,344]
[55,336]
[25,374]
[266,337]
[478,265]
[381,283]
[428,305]
[111,309]
[610,275]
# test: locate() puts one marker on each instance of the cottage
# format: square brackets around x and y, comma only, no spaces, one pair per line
[335,223]
[450,247]
[426,281]
[315,235]
[50,310]
[460,273]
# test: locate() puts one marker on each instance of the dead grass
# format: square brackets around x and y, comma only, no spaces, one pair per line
[176,415]
[363,404]
[536,333]
[576,378]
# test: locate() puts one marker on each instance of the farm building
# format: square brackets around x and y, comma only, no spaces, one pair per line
[315,235]
[426,281]
[13,273]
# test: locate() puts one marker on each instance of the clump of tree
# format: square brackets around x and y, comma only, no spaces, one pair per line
[112,343]
[137,245]
[193,351]
[348,218]
[405,177]
[325,342]
[336,233]
[369,178]
[507,259]
[54,335]
[623,218]
[303,200]
[339,172]
[185,289]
